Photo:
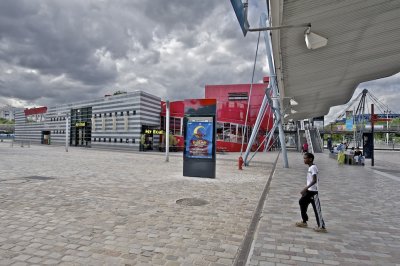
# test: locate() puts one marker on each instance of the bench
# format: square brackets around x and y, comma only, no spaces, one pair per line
[348,158]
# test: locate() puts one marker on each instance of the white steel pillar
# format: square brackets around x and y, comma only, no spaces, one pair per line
[274,86]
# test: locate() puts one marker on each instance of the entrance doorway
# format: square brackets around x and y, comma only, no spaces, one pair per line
[45,138]
[79,137]
[81,127]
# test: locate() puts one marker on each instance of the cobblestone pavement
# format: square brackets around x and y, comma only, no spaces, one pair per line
[360,206]
[91,207]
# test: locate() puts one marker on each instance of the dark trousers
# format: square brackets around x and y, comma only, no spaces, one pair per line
[305,200]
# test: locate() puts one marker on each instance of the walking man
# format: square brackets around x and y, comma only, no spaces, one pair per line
[309,194]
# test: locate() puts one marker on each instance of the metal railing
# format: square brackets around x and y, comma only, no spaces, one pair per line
[22,143]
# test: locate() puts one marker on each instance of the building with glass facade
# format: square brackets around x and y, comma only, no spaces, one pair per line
[108,122]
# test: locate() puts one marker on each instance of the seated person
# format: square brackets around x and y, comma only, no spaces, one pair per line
[335,150]
[358,156]
[351,151]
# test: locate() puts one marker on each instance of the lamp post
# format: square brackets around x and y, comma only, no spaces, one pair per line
[387,112]
[66,132]
[167,113]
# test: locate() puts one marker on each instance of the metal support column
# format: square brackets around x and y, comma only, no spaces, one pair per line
[276,106]
[274,86]
[255,128]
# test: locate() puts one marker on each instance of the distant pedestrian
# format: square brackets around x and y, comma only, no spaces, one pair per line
[309,194]
[305,147]
[330,144]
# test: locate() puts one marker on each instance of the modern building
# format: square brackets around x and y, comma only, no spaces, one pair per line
[136,120]
[8,112]
[232,106]
[108,122]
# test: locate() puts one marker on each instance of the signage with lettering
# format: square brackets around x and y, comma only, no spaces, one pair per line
[80,124]
[154,131]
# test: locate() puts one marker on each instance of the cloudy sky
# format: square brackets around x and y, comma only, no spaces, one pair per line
[58,51]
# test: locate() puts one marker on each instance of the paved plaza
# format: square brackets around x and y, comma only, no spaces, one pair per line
[360,206]
[117,208]
[93,207]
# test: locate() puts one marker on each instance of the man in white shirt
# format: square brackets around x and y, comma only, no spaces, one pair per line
[309,194]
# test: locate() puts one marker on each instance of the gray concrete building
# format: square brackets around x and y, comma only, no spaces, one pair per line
[109,122]
[8,112]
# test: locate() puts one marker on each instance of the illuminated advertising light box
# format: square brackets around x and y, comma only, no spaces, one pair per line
[199,131]
[199,138]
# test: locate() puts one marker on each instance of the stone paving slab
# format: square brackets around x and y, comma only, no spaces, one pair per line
[91,207]
[359,206]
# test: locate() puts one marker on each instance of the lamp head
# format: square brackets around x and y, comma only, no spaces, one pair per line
[313,40]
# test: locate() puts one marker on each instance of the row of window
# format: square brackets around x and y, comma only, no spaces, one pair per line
[116,114]
[99,115]
[57,118]
[232,132]
[115,140]
[58,131]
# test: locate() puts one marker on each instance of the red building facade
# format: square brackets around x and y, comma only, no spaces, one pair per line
[232,104]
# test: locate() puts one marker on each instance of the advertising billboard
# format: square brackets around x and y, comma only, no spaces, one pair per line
[349,120]
[199,138]
[199,131]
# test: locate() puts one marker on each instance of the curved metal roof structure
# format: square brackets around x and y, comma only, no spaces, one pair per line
[363,44]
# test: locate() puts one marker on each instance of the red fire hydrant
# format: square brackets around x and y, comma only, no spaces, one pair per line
[240,163]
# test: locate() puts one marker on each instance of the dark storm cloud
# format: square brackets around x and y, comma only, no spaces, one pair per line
[57,51]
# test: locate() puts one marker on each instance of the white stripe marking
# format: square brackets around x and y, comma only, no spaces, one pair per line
[387,175]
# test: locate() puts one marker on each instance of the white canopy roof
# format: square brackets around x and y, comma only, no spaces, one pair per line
[363,44]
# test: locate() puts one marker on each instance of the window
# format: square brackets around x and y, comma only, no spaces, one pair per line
[104,140]
[133,140]
[122,113]
[120,140]
[127,112]
[109,139]
[115,140]
[174,124]
[238,96]
[127,141]
[94,140]
[134,112]
[100,115]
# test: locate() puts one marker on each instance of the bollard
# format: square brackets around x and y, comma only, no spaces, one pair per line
[22,143]
[240,163]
